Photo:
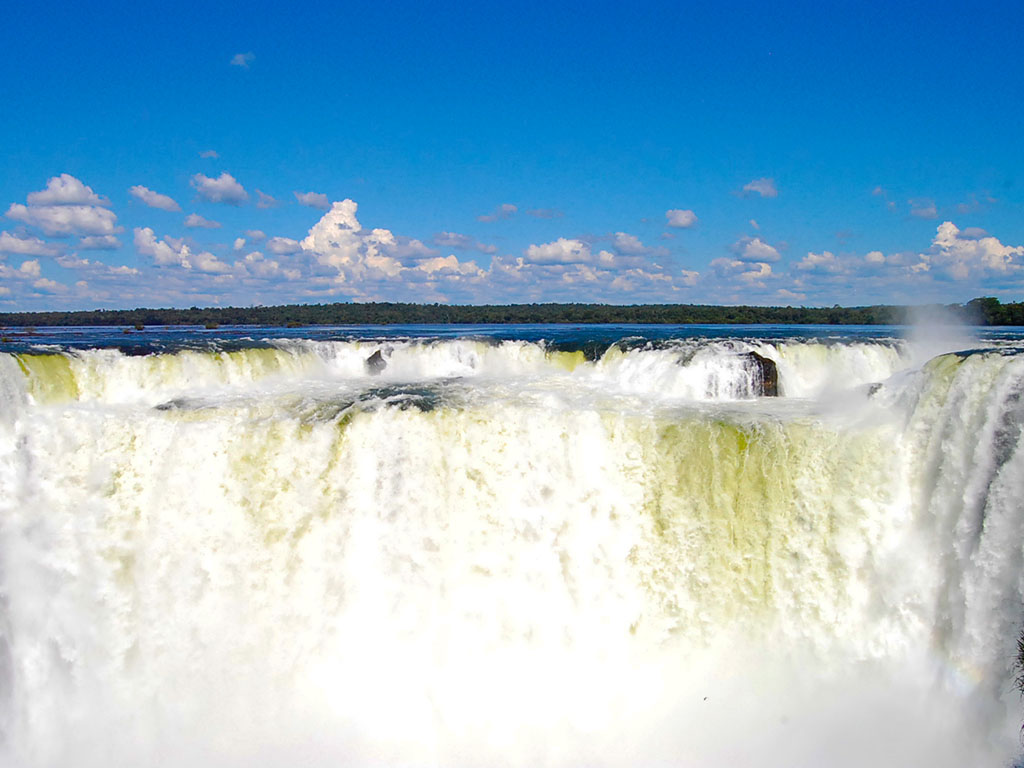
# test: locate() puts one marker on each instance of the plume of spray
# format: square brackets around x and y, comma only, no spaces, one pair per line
[935,330]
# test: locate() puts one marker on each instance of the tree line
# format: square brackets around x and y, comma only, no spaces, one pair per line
[980,311]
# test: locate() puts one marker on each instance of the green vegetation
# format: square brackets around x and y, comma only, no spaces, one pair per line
[984,311]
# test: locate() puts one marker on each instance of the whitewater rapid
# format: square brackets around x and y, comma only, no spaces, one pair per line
[511,553]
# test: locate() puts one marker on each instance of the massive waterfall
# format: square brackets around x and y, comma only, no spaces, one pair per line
[511,551]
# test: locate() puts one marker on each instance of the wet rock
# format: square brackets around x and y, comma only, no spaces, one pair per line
[766,382]
[375,363]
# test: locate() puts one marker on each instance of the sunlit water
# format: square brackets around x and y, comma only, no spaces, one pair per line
[510,546]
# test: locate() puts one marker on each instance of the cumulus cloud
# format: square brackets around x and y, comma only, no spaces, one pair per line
[223,189]
[255,234]
[255,264]
[243,59]
[826,261]
[263,200]
[785,293]
[26,246]
[99,243]
[46,285]
[195,221]
[313,200]
[95,268]
[73,261]
[175,252]
[745,271]
[357,261]
[765,187]
[961,257]
[66,190]
[560,251]
[153,199]
[755,249]
[30,268]
[462,242]
[681,218]
[66,207]
[923,208]
[688,277]
[60,220]
[503,211]
[283,245]
[629,245]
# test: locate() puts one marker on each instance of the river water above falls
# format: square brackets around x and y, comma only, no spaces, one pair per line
[510,546]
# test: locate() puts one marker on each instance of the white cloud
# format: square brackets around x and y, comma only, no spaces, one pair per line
[754,224]
[223,189]
[355,261]
[743,270]
[162,252]
[313,200]
[560,251]
[239,243]
[153,199]
[923,208]
[255,234]
[30,268]
[283,245]
[243,59]
[961,257]
[875,257]
[628,244]
[408,249]
[544,213]
[503,211]
[825,261]
[73,261]
[263,200]
[689,277]
[682,218]
[207,262]
[99,243]
[26,246]
[448,264]
[462,242]
[66,207]
[66,190]
[57,220]
[755,249]
[47,285]
[195,221]
[174,252]
[209,154]
[785,293]
[765,187]
[337,241]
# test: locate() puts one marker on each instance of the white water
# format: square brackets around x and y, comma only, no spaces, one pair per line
[503,555]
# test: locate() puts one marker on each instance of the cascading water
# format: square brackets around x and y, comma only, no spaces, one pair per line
[511,553]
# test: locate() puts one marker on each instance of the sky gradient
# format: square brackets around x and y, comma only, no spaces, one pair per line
[792,153]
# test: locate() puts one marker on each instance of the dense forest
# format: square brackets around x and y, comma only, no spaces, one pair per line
[982,311]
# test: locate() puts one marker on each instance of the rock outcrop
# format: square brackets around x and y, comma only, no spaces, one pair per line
[376,363]
[766,380]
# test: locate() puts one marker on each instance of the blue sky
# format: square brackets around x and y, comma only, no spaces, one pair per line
[789,153]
